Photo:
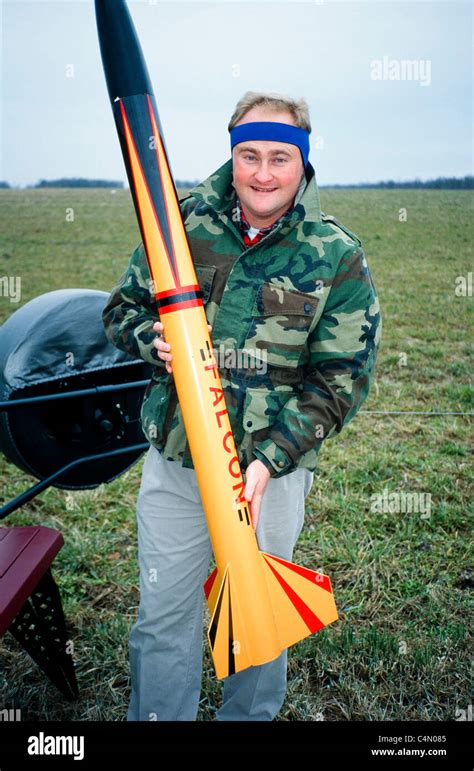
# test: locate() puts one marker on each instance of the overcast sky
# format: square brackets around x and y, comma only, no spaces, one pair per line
[56,119]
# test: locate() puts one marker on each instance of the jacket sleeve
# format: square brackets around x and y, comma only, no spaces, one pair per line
[343,348]
[131,309]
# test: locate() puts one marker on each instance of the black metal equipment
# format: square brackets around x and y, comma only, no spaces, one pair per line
[70,416]
[69,400]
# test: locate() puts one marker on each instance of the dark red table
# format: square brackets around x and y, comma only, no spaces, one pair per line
[30,603]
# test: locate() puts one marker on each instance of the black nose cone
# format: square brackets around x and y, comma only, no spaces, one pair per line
[125,69]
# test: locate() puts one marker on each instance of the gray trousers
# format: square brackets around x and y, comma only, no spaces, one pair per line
[165,644]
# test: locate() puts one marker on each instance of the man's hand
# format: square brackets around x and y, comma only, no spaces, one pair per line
[163,347]
[256,480]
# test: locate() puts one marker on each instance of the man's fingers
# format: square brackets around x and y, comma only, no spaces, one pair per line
[255,505]
[257,476]
[163,347]
[254,496]
[250,487]
[160,343]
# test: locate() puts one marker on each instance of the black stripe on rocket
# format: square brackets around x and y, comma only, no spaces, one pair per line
[215,624]
[206,353]
[137,109]
[178,297]
[231,655]
[245,509]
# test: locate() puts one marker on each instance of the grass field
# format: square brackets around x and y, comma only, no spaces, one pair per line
[402,581]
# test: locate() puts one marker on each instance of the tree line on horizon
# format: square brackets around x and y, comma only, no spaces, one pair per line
[440,183]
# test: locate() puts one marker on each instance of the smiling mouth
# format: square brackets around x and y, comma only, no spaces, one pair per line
[263,189]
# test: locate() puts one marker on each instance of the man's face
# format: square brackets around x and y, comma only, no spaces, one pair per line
[267,174]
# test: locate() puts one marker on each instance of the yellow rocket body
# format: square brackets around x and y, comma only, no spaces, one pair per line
[259,604]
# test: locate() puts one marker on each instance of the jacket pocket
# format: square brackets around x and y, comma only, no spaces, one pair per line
[205,276]
[281,320]
[261,407]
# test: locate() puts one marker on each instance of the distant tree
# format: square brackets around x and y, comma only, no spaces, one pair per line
[78,182]
[440,183]
[4,185]
[186,184]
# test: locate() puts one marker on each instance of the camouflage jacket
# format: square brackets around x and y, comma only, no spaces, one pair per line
[302,301]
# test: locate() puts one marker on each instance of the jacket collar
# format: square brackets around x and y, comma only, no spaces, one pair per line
[217,193]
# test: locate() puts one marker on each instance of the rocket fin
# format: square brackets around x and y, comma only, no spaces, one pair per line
[211,590]
[301,600]
[226,633]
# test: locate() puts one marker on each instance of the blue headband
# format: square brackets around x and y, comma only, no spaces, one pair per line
[273,131]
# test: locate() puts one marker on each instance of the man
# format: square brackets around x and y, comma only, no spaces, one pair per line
[290,285]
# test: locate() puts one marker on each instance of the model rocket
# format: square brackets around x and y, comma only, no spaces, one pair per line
[259,604]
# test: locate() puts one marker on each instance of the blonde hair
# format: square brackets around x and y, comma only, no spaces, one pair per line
[298,108]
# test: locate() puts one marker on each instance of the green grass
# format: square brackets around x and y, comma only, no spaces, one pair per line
[402,581]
